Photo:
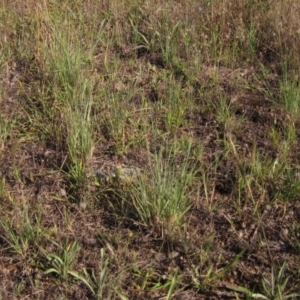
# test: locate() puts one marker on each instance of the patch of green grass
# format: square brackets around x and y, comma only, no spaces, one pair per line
[274,287]
[61,263]
[5,129]
[103,287]
[22,236]
[290,95]
[204,280]
[161,199]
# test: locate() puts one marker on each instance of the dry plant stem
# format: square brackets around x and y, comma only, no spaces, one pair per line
[240,167]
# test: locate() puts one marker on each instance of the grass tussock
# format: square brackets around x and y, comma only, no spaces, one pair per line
[149,149]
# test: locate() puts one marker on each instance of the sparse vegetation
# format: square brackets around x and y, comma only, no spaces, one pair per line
[149,149]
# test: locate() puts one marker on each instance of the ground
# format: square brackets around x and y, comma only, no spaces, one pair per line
[204,120]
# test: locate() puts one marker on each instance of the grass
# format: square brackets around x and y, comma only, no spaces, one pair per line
[162,200]
[189,109]
[274,287]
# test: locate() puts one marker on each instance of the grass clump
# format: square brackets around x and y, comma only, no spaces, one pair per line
[162,199]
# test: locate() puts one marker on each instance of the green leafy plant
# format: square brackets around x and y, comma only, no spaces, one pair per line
[177,106]
[290,95]
[149,281]
[105,287]
[61,263]
[80,140]
[204,280]
[5,128]
[274,287]
[20,238]
[2,187]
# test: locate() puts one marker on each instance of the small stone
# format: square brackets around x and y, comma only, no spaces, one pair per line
[284,232]
[63,192]
[82,205]
[173,254]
